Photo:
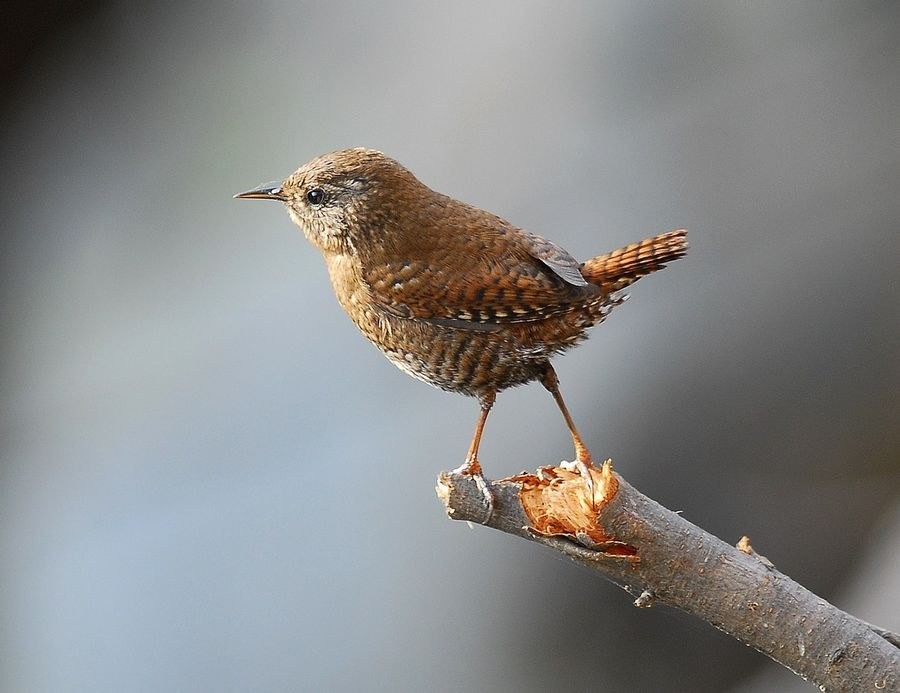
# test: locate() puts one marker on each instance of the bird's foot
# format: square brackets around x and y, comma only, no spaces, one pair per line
[584,466]
[472,467]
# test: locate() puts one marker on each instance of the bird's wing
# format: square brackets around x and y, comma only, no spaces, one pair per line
[531,279]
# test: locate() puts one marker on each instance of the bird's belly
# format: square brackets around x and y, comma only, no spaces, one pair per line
[462,361]
[469,361]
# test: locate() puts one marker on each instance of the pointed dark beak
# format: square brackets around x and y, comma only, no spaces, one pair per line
[266,191]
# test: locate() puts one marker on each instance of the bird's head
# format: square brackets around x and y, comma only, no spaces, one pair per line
[344,199]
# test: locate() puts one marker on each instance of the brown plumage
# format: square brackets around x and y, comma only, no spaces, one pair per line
[453,295]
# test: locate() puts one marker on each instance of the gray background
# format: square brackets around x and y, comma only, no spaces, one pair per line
[210,481]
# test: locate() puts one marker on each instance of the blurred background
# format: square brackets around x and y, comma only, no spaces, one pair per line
[211,481]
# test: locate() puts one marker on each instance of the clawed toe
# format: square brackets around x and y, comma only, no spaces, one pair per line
[472,467]
[584,468]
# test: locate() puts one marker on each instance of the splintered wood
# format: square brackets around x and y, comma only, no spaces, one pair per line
[560,502]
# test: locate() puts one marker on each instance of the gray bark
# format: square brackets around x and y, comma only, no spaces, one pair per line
[657,555]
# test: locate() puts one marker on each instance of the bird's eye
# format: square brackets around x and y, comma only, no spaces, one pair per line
[316,196]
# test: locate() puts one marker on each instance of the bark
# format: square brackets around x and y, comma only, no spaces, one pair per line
[657,555]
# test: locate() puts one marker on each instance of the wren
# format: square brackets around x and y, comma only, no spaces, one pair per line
[453,295]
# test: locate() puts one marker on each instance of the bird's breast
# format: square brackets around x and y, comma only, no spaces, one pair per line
[352,292]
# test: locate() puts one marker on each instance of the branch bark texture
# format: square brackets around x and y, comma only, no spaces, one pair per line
[657,555]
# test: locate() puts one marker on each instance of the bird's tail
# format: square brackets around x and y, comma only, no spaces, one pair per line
[623,267]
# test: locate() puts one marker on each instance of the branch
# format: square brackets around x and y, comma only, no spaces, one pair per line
[657,555]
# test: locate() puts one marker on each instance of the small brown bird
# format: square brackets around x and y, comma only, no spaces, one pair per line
[453,295]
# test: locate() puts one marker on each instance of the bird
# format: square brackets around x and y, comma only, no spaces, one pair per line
[451,294]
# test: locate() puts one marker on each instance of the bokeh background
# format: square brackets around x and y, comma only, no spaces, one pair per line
[211,481]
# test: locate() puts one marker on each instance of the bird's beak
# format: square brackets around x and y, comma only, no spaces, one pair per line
[266,191]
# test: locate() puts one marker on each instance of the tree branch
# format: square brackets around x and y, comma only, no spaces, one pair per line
[657,555]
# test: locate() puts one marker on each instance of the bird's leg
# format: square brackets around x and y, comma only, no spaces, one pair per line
[582,454]
[472,466]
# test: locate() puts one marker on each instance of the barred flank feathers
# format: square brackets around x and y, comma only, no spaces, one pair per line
[623,267]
